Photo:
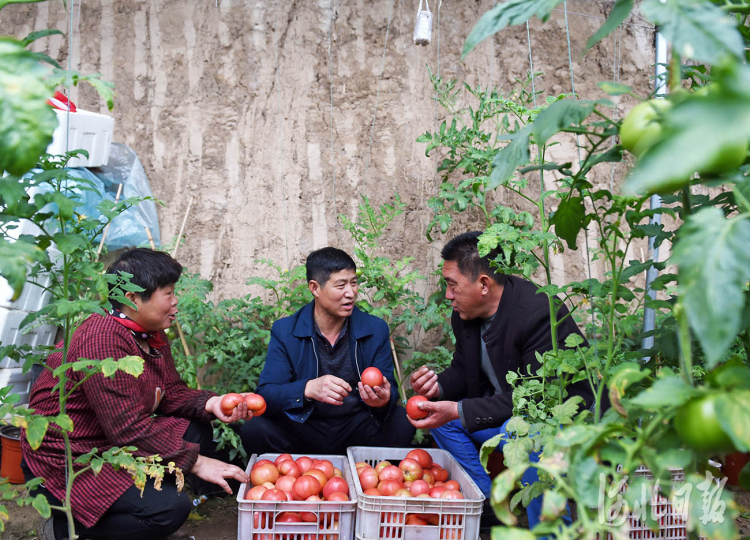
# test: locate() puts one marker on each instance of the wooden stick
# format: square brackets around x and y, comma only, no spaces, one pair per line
[106,229]
[150,238]
[182,228]
[398,371]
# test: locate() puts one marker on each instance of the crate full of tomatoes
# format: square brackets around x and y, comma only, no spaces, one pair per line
[413,494]
[297,497]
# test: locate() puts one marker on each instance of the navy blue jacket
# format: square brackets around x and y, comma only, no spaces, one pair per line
[291,360]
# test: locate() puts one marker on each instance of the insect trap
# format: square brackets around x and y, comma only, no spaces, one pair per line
[423,27]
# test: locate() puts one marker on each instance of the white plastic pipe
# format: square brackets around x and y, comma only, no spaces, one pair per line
[660,87]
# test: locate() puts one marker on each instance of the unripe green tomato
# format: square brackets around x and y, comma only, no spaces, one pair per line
[729,158]
[359,272]
[642,128]
[698,426]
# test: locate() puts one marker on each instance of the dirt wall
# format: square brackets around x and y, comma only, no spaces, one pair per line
[276,116]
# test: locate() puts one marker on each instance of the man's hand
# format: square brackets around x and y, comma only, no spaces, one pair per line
[215,471]
[440,413]
[327,389]
[375,396]
[241,412]
[424,381]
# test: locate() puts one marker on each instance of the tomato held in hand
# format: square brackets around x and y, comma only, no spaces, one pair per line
[229,402]
[413,410]
[698,426]
[255,403]
[372,377]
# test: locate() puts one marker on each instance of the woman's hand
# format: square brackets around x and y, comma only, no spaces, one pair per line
[240,412]
[215,471]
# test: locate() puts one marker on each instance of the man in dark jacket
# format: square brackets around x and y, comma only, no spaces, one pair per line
[311,379]
[500,324]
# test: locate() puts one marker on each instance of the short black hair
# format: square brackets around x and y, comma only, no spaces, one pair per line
[464,250]
[323,262]
[151,269]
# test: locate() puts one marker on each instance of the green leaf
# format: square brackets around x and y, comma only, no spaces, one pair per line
[568,220]
[697,29]
[488,447]
[41,505]
[36,430]
[32,37]
[510,13]
[502,486]
[509,158]
[108,367]
[559,116]
[4,3]
[584,474]
[132,365]
[15,259]
[713,258]
[68,243]
[731,410]
[667,391]
[511,533]
[699,131]
[617,16]
[64,421]
[26,121]
[554,504]
[516,451]
[711,510]
[518,425]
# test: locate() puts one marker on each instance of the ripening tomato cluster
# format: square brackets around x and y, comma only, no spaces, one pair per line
[415,476]
[254,402]
[303,479]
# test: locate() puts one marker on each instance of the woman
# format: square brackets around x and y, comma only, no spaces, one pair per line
[155,412]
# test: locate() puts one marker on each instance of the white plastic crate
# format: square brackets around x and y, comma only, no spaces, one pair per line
[10,334]
[384,517]
[20,381]
[85,130]
[257,519]
[672,526]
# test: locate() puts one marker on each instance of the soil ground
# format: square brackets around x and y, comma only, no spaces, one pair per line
[216,519]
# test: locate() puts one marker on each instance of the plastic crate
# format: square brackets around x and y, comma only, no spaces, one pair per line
[257,519]
[384,517]
[83,130]
[672,525]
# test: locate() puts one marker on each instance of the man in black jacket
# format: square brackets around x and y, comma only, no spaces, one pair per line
[500,323]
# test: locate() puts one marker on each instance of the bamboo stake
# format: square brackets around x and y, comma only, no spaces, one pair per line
[182,228]
[106,229]
[398,371]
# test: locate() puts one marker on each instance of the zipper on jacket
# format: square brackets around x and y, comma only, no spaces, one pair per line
[317,360]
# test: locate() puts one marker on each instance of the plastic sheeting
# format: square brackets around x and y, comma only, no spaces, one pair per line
[129,228]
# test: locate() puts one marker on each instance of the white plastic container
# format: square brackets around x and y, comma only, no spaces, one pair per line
[384,517]
[20,381]
[257,519]
[84,130]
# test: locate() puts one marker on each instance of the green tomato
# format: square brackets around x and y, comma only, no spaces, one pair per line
[729,158]
[641,128]
[698,426]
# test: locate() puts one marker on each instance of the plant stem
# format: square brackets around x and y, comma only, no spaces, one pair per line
[686,351]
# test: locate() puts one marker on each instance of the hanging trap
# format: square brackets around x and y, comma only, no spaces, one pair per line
[423,27]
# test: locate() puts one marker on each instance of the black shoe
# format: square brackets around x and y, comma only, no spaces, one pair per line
[45,529]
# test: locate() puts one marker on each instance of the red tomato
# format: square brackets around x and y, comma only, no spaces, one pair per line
[320,475]
[419,486]
[305,486]
[325,466]
[413,410]
[451,494]
[289,467]
[369,478]
[440,474]
[372,377]
[411,469]
[375,492]
[282,457]
[421,456]
[452,484]
[391,472]
[389,487]
[414,519]
[255,403]
[337,496]
[285,483]
[304,463]
[255,493]
[274,495]
[288,517]
[229,402]
[437,492]
[335,485]
[264,473]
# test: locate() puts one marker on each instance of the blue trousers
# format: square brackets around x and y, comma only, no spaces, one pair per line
[464,447]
